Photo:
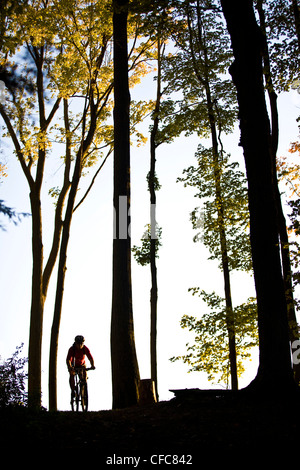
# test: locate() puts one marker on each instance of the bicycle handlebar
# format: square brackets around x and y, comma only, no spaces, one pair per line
[85,368]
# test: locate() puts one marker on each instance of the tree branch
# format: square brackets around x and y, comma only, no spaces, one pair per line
[93,180]
[17,146]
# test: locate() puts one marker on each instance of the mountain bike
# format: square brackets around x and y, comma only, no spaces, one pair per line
[80,394]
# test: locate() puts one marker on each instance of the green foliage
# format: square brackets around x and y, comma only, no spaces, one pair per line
[142,254]
[282,41]
[288,171]
[201,58]
[155,182]
[210,351]
[210,108]
[234,202]
[13,380]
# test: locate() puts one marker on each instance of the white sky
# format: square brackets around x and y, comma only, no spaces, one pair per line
[87,299]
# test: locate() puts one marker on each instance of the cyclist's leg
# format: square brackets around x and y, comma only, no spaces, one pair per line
[73,395]
[72,381]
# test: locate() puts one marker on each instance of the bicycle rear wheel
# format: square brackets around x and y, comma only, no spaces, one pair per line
[84,396]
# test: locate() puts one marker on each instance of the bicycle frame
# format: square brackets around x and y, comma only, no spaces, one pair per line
[80,393]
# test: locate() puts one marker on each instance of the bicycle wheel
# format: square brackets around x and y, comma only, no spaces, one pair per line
[72,400]
[75,399]
[84,396]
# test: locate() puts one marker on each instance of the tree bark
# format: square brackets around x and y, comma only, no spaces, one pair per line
[125,371]
[275,370]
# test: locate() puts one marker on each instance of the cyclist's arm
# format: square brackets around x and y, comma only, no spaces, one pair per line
[92,362]
[69,361]
[90,357]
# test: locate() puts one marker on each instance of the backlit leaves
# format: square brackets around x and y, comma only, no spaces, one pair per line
[234,206]
[210,353]
[202,56]
[142,253]
[283,44]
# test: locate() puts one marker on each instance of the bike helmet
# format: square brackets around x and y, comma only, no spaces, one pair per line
[79,339]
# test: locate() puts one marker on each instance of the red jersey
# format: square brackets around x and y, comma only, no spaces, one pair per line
[79,355]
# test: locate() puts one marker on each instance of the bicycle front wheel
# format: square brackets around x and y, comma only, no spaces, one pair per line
[75,399]
[84,396]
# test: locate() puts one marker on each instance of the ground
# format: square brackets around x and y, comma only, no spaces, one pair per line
[191,429]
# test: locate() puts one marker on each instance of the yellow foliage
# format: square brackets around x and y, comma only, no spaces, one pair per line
[71,42]
[295,147]
[3,169]
[289,171]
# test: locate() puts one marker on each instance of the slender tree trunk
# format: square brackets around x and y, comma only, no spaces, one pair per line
[40,278]
[52,379]
[37,304]
[152,183]
[39,281]
[224,253]
[125,371]
[62,267]
[37,296]
[204,81]
[275,370]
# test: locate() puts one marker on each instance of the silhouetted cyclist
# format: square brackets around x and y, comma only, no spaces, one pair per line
[76,358]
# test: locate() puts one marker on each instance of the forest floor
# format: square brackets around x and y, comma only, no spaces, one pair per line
[198,428]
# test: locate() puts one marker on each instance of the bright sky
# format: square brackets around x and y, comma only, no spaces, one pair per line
[87,299]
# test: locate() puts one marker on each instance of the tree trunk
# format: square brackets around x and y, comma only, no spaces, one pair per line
[40,278]
[152,183]
[225,264]
[275,370]
[37,304]
[125,371]
[62,267]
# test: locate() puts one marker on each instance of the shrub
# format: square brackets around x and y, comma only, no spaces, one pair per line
[13,380]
